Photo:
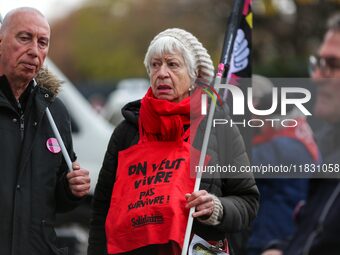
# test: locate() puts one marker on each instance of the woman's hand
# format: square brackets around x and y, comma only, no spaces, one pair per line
[202,201]
[272,252]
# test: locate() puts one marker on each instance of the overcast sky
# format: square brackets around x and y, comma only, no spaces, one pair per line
[50,8]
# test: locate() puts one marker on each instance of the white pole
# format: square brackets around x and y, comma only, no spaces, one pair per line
[59,139]
[57,135]
[201,164]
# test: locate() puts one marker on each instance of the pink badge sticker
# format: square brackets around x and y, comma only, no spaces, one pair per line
[53,145]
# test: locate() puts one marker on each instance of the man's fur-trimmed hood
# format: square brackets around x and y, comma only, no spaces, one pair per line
[49,81]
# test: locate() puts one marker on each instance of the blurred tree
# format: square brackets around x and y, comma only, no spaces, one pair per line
[282,39]
[107,39]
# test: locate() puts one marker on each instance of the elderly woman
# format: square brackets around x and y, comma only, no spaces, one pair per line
[144,190]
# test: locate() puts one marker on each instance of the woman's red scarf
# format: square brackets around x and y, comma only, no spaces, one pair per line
[162,120]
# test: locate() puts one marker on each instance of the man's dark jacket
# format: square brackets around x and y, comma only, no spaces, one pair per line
[33,185]
[319,226]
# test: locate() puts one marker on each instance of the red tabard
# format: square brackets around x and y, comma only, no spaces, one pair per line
[147,203]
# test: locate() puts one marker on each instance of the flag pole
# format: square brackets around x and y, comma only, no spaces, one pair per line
[223,68]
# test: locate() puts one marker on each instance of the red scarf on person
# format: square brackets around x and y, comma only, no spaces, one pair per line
[162,120]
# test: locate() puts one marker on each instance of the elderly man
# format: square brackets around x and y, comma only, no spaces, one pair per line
[319,227]
[34,182]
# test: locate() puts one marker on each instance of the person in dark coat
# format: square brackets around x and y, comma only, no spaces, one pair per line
[276,145]
[318,226]
[34,182]
[174,60]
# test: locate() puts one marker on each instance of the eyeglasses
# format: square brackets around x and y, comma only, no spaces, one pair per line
[326,65]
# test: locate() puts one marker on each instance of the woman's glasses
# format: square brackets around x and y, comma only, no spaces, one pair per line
[327,65]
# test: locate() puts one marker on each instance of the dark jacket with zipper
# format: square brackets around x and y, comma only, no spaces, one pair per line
[33,185]
[239,196]
[318,225]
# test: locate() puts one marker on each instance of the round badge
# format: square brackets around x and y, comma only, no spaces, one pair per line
[53,145]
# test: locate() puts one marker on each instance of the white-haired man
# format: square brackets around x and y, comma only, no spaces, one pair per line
[34,182]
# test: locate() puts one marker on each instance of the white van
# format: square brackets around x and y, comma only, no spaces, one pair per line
[127,90]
